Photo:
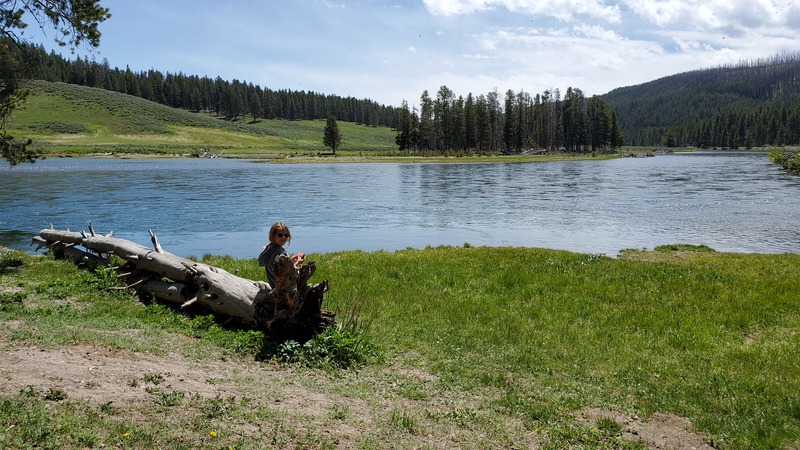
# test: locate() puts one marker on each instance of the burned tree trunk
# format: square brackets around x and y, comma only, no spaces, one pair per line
[292,310]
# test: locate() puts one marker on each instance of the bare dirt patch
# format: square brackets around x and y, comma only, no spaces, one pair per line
[662,431]
[98,375]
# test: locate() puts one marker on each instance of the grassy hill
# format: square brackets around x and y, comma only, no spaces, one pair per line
[69,119]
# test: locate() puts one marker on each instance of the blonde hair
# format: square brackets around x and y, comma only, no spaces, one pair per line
[275,229]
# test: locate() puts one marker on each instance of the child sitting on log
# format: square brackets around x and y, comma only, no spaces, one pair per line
[279,236]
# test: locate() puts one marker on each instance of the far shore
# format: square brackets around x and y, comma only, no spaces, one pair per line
[350,156]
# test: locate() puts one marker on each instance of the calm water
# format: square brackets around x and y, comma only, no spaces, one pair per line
[736,202]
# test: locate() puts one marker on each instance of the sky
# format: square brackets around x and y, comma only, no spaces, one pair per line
[393,50]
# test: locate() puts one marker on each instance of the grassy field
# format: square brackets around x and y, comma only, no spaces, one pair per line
[479,348]
[65,119]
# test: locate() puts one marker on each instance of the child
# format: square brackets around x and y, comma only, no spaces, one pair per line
[279,236]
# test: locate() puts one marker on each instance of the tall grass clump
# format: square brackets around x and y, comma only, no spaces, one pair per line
[347,344]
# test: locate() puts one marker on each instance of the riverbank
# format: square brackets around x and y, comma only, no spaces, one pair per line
[682,347]
[356,157]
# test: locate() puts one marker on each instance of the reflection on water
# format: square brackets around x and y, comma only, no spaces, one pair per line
[730,201]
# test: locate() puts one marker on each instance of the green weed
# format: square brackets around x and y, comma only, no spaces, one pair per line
[402,421]
[335,348]
[154,378]
[167,399]
[10,260]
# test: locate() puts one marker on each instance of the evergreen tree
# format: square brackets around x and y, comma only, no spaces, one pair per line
[470,123]
[495,117]
[510,128]
[75,22]
[333,138]
[617,138]
[443,119]
[405,128]
[426,127]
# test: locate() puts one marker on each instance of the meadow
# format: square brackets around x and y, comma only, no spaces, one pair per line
[65,119]
[460,347]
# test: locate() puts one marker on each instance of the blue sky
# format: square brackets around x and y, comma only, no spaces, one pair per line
[392,50]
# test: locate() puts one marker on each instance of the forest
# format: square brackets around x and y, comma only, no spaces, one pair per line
[542,122]
[749,104]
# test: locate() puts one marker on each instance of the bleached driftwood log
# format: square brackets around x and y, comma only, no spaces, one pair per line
[292,310]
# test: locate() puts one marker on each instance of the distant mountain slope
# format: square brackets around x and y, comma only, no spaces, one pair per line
[688,100]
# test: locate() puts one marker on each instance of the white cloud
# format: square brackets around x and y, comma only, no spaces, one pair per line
[560,9]
[716,14]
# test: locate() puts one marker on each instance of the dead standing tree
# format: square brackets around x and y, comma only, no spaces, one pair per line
[292,309]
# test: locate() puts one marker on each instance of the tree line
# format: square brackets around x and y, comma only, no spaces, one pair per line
[743,128]
[750,104]
[520,122]
[229,99]
[482,123]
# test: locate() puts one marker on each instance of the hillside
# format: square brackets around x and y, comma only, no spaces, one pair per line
[62,117]
[684,103]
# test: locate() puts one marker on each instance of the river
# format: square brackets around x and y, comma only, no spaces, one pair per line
[730,201]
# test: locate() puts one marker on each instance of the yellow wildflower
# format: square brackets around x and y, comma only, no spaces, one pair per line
[213,433]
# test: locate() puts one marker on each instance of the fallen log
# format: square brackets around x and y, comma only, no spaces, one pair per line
[292,309]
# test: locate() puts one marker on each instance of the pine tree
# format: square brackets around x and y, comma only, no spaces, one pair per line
[405,127]
[332,137]
[76,22]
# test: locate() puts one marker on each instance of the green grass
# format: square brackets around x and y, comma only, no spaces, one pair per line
[65,119]
[497,336]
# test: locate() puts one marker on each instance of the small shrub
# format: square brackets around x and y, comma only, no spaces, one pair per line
[108,408]
[10,300]
[28,391]
[168,398]
[154,378]
[683,248]
[10,261]
[403,422]
[59,127]
[335,348]
[201,325]
[339,412]
[217,406]
[54,395]
[103,278]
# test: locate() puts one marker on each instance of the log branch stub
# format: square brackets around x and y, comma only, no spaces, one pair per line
[154,240]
